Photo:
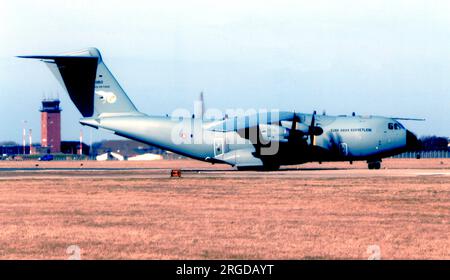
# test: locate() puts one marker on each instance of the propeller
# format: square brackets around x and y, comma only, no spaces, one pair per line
[313,129]
[293,132]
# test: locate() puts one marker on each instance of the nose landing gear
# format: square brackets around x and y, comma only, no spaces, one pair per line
[374,164]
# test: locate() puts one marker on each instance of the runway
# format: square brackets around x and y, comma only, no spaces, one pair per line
[116,210]
[194,169]
[144,173]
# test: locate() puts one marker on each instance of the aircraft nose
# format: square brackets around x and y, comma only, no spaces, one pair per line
[412,143]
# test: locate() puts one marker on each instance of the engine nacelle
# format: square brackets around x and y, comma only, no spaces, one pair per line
[298,126]
[270,132]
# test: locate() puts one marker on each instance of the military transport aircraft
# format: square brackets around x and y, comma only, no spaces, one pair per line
[261,140]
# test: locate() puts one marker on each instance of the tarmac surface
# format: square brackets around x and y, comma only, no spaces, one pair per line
[150,173]
[190,168]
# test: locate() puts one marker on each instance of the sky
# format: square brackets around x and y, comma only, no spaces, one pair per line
[388,58]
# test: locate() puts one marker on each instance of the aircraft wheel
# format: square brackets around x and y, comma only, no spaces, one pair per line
[374,165]
[271,167]
[377,165]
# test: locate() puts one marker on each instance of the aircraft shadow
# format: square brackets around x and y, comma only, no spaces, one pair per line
[261,171]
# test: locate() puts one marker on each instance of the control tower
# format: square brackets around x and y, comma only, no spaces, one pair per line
[51,125]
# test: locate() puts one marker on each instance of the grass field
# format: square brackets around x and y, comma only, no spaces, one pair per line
[135,210]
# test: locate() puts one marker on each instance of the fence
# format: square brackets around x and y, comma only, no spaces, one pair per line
[424,154]
[56,157]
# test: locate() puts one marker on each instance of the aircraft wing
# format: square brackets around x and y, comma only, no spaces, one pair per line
[265,127]
[249,121]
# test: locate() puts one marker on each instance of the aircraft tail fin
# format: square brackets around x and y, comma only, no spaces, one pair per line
[89,83]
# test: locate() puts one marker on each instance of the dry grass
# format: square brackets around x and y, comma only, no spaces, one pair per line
[214,216]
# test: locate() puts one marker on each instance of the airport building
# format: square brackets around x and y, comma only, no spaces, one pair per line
[51,125]
[51,141]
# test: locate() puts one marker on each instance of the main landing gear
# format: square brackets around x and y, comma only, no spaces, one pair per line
[374,164]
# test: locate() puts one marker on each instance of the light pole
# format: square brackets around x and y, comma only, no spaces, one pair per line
[24,136]
[81,142]
[31,141]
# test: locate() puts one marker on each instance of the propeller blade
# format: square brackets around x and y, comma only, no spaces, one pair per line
[296,133]
[312,129]
[294,123]
[292,132]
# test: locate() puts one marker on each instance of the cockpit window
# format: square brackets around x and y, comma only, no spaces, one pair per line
[390,126]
